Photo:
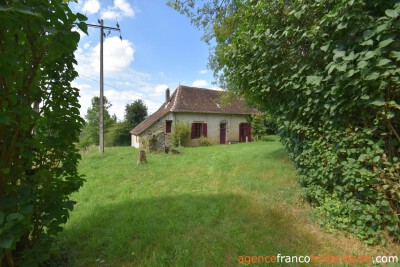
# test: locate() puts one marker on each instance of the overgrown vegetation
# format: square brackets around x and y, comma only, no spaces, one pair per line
[203,141]
[261,125]
[328,71]
[180,133]
[39,124]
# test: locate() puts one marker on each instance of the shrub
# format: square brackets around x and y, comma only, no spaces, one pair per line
[203,141]
[39,126]
[180,133]
[118,135]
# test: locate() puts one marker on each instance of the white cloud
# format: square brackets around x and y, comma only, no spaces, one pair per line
[120,8]
[91,7]
[125,7]
[157,90]
[117,57]
[86,93]
[203,71]
[200,83]
[118,100]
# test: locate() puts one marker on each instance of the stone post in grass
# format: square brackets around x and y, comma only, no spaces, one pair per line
[141,157]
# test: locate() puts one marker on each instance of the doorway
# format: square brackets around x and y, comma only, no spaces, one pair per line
[222,133]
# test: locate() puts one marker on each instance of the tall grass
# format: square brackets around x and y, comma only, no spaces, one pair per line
[204,207]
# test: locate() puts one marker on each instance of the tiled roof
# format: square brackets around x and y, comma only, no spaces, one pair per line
[194,100]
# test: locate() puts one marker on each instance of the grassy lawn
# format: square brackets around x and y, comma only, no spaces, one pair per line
[205,207]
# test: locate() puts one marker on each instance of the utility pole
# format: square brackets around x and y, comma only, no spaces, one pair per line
[101,114]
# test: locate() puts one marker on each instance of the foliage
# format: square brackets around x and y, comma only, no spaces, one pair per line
[144,142]
[135,113]
[152,142]
[328,71]
[262,124]
[92,125]
[203,141]
[39,126]
[118,135]
[180,133]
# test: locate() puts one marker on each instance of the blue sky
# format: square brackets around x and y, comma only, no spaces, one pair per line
[160,49]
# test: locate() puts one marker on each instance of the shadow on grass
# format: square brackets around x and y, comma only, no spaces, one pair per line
[182,230]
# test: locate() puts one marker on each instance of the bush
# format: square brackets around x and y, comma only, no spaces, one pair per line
[203,141]
[39,126]
[118,135]
[180,133]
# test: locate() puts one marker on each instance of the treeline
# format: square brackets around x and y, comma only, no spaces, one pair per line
[328,71]
[116,133]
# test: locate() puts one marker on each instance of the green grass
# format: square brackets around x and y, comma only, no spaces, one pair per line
[205,207]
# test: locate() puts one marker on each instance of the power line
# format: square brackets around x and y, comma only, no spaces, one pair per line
[127,91]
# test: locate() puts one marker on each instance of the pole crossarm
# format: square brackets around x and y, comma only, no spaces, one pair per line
[104,27]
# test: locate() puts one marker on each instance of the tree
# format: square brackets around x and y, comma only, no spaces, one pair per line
[118,135]
[92,126]
[135,113]
[328,72]
[39,126]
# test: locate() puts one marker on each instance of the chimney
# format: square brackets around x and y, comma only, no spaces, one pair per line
[167,99]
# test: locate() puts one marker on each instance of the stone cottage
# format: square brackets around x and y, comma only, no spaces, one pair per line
[200,108]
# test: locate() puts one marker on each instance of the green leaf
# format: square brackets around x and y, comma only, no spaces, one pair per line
[5,8]
[383,61]
[384,203]
[368,42]
[338,54]
[394,104]
[385,42]
[342,25]
[315,80]
[376,159]
[365,97]
[368,34]
[325,47]
[27,12]
[381,27]
[369,54]
[372,76]
[389,115]
[362,64]
[395,54]
[378,102]
[392,13]
[2,217]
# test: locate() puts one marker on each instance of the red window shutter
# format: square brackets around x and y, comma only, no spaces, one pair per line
[193,134]
[205,129]
[240,132]
[249,131]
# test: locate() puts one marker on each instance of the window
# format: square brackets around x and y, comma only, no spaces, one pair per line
[168,126]
[199,130]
